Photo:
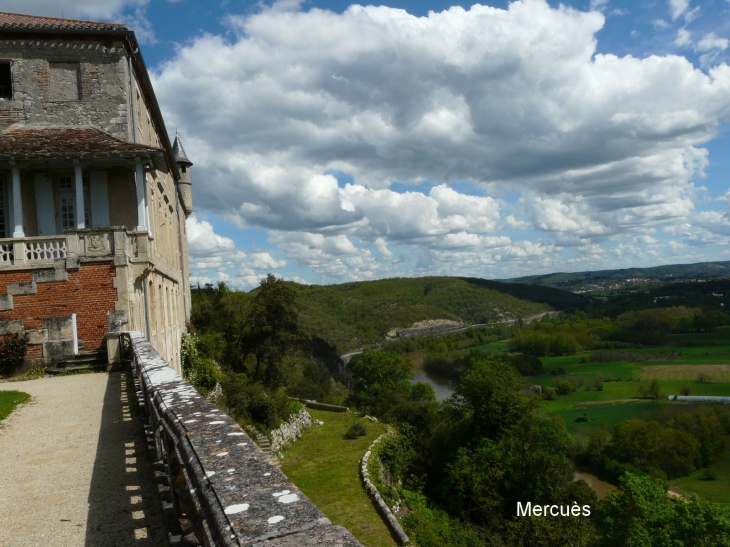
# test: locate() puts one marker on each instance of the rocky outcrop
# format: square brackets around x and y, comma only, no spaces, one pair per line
[423,328]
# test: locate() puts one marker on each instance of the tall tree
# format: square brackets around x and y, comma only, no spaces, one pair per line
[270,326]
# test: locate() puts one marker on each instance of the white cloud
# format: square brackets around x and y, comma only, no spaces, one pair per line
[216,258]
[711,41]
[598,146]
[683,38]
[678,7]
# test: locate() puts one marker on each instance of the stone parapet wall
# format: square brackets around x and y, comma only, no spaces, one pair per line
[290,431]
[390,521]
[221,483]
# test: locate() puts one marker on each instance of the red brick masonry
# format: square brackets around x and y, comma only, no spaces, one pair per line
[89,293]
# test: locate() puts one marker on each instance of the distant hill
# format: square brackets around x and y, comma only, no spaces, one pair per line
[584,280]
[352,315]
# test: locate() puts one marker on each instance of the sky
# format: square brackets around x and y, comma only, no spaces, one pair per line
[334,142]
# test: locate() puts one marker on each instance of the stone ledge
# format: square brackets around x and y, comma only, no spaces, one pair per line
[239,497]
[18,289]
[49,276]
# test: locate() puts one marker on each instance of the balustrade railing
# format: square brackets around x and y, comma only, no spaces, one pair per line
[34,252]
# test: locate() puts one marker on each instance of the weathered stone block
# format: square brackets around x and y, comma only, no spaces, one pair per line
[37,336]
[48,276]
[117,320]
[18,289]
[11,327]
[73,263]
[59,328]
[6,302]
[58,348]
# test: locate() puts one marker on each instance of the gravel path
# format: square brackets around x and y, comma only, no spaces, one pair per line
[74,467]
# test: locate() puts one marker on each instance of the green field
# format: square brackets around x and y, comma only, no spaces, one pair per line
[717,490]
[497,347]
[604,414]
[9,400]
[324,465]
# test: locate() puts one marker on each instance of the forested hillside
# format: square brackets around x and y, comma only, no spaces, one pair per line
[355,314]
[582,280]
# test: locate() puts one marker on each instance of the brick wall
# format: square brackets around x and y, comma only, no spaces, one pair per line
[89,293]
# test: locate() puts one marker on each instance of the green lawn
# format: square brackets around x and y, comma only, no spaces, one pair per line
[717,490]
[325,466]
[9,400]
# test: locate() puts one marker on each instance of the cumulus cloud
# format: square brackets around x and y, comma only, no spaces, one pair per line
[513,100]
[216,258]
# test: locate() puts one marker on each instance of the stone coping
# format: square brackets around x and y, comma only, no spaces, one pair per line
[242,498]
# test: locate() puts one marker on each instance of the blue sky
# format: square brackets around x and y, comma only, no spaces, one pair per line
[334,142]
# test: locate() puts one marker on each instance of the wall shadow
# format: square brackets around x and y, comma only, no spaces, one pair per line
[124,507]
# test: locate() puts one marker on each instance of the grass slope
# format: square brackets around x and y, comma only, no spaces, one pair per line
[324,465]
[352,315]
[9,400]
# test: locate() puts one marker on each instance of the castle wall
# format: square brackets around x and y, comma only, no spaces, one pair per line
[67,82]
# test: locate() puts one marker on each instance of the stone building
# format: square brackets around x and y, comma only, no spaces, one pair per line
[93,197]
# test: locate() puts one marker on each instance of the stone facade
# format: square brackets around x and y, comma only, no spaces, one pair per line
[92,200]
[68,82]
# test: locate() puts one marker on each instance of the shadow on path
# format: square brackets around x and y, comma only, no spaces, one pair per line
[124,508]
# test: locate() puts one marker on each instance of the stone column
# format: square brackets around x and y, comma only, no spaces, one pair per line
[17,204]
[141,181]
[80,213]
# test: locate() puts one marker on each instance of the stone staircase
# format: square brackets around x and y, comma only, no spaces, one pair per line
[85,360]
[263,442]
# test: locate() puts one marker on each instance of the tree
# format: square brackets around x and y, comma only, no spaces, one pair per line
[536,464]
[641,514]
[489,396]
[270,326]
[376,371]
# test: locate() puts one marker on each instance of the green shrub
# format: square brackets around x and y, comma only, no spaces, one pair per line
[548,393]
[564,387]
[199,370]
[357,429]
[12,353]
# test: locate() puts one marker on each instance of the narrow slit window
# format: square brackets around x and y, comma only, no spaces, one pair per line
[6,81]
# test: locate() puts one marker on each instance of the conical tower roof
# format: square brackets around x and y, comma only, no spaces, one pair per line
[179,152]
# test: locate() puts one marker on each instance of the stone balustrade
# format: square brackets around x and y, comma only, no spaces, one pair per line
[75,246]
[223,490]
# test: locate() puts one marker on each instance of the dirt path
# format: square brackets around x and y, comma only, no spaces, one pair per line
[74,467]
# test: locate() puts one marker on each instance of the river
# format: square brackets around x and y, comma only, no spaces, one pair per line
[442,387]
[601,488]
